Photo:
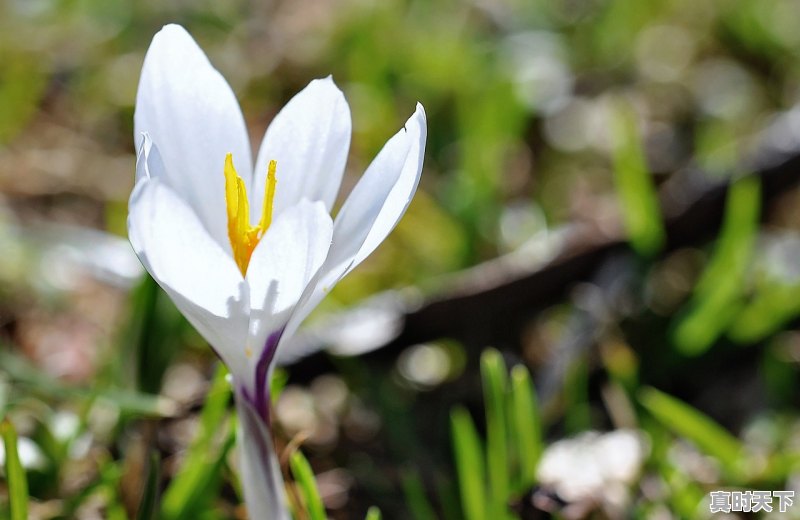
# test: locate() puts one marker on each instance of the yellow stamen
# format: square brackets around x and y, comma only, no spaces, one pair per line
[269,196]
[244,237]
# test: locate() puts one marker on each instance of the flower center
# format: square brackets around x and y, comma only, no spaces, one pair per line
[244,237]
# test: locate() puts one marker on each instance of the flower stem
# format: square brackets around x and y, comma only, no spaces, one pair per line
[260,472]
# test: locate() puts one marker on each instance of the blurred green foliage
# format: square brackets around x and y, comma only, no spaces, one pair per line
[512,436]
[193,487]
[719,291]
[15,474]
[639,201]
[544,116]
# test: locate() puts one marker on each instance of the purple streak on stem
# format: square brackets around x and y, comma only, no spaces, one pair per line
[260,400]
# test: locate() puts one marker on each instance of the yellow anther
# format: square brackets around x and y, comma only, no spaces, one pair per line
[244,237]
[269,196]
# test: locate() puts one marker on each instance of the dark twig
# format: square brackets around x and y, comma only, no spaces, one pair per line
[488,304]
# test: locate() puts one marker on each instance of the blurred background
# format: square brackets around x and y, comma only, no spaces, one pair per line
[609,202]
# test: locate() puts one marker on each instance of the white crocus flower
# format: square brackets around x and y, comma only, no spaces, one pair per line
[247,252]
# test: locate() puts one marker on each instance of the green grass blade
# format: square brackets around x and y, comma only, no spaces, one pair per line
[150,338]
[198,500]
[15,473]
[148,505]
[416,500]
[773,304]
[106,485]
[373,514]
[527,424]
[304,477]
[110,477]
[718,296]
[469,464]
[690,423]
[23,374]
[191,488]
[494,376]
[639,204]
[136,403]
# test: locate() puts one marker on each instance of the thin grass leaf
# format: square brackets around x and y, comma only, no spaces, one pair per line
[201,497]
[373,514]
[148,505]
[304,477]
[192,487]
[107,485]
[469,464]
[22,373]
[639,204]
[150,338]
[688,422]
[15,473]
[494,376]
[527,424]
[718,295]
[773,305]
[137,403]
[416,500]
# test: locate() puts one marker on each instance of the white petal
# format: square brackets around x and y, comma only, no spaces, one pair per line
[191,113]
[149,163]
[193,269]
[261,476]
[382,195]
[282,264]
[309,139]
[371,211]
